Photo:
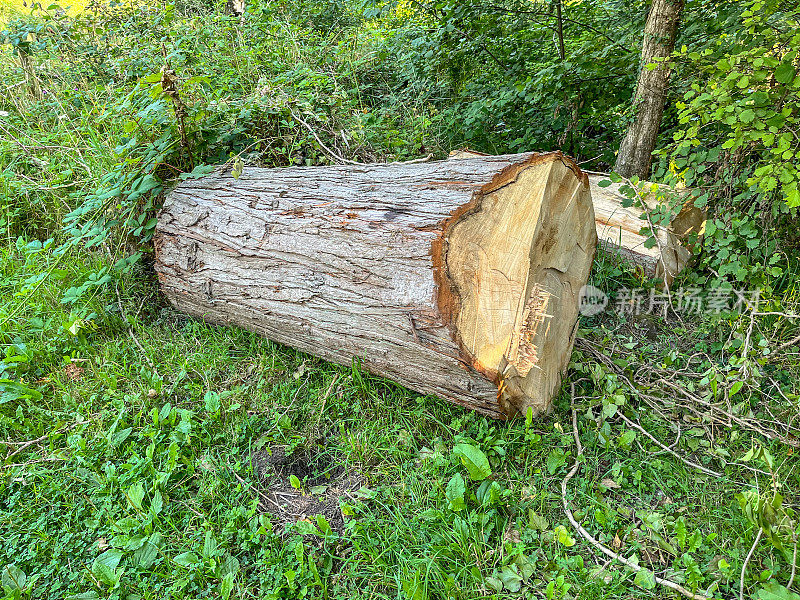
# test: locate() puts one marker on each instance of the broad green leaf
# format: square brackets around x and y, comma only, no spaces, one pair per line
[211,401]
[147,553]
[494,583]
[228,565]
[135,495]
[13,578]
[512,581]
[110,558]
[537,521]
[774,591]
[104,567]
[226,586]
[13,390]
[556,459]
[455,492]
[563,536]
[323,525]
[157,503]
[209,545]
[187,559]
[306,527]
[645,579]
[784,73]
[474,460]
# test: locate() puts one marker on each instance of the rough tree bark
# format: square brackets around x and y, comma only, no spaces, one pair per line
[456,278]
[636,151]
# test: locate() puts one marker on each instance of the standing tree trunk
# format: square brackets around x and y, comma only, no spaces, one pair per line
[458,278]
[636,150]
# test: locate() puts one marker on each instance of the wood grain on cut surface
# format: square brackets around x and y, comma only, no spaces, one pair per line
[619,227]
[425,272]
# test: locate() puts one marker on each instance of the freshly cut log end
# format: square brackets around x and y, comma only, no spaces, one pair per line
[455,278]
[514,261]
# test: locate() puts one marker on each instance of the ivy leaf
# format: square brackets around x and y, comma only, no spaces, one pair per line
[474,460]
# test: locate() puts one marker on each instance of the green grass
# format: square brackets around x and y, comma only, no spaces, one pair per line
[127,430]
[113,428]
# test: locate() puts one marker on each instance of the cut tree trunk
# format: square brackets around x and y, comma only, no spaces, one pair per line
[454,278]
[619,227]
[636,151]
[619,231]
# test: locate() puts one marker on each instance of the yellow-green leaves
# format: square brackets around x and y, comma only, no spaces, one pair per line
[238,167]
[563,536]
[474,460]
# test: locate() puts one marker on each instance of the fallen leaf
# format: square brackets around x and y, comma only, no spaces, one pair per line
[300,371]
[616,543]
[73,371]
[512,536]
[610,484]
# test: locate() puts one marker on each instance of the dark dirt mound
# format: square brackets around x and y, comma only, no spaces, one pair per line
[323,485]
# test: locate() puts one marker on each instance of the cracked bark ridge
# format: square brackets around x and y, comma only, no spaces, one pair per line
[454,278]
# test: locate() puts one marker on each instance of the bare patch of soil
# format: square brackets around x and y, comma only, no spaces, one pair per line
[324,484]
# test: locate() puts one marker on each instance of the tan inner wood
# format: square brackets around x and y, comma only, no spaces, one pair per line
[511,263]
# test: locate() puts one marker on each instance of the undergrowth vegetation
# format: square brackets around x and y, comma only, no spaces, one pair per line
[131,434]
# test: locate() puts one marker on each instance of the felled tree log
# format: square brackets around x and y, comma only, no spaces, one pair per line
[619,227]
[454,278]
